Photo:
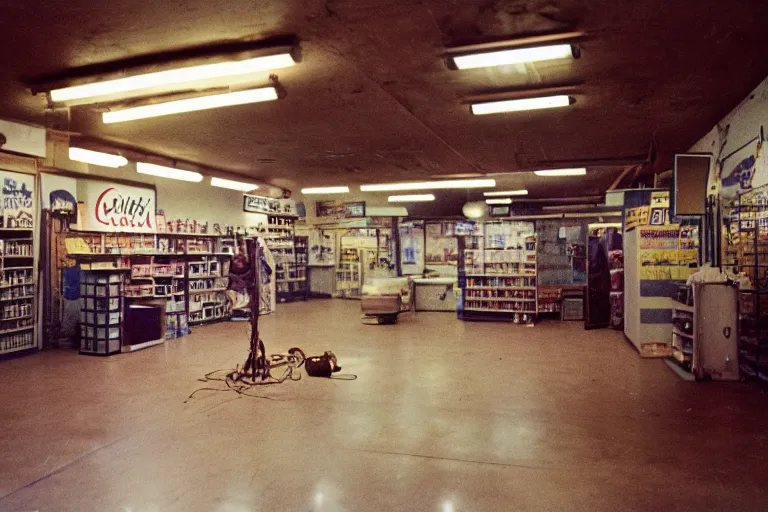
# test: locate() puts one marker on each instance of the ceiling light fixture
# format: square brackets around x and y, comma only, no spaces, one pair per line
[190,105]
[569,207]
[428,185]
[97,158]
[521,192]
[168,172]
[325,190]
[581,171]
[519,105]
[504,200]
[513,56]
[414,198]
[173,76]
[233,185]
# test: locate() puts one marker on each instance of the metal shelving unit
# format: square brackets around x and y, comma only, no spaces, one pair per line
[18,291]
[751,245]
[498,273]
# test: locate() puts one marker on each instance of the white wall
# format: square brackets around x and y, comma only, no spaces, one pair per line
[178,199]
[743,124]
[182,199]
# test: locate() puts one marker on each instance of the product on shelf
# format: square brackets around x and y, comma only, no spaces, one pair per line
[498,273]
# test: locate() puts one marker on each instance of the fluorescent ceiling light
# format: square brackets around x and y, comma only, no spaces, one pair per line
[568,207]
[427,185]
[597,225]
[96,158]
[190,105]
[172,76]
[562,172]
[168,172]
[521,192]
[496,107]
[411,198]
[504,200]
[233,185]
[516,56]
[325,190]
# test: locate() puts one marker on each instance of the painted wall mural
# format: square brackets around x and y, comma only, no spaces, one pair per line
[17,208]
[738,169]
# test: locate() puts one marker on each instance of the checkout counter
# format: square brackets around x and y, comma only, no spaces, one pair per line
[434,294]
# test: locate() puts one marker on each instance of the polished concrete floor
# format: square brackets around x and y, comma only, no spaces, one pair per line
[445,416]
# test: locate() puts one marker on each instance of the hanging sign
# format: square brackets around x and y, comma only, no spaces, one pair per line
[112,207]
[339,209]
[17,209]
[269,205]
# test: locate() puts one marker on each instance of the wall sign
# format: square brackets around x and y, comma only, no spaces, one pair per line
[639,216]
[339,209]
[269,205]
[112,207]
[17,207]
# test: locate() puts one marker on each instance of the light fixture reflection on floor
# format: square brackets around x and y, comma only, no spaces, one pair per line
[413,198]
[428,185]
[168,172]
[190,105]
[233,185]
[172,76]
[97,158]
[521,192]
[325,190]
[513,56]
[522,104]
[581,171]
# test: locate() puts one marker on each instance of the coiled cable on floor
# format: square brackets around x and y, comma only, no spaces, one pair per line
[241,382]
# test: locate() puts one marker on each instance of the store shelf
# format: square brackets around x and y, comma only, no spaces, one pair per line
[208,290]
[17,329]
[506,311]
[5,269]
[526,288]
[682,307]
[15,285]
[17,349]
[498,299]
[16,229]
[501,275]
[124,253]
[677,331]
[15,318]
[14,256]
[17,298]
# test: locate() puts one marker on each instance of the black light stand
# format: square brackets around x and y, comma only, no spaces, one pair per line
[256,364]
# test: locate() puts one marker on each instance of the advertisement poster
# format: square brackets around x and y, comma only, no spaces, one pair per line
[412,248]
[322,248]
[339,209]
[112,207]
[661,256]
[269,205]
[639,216]
[441,248]
[17,205]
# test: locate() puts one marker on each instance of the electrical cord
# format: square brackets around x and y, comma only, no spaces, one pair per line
[241,382]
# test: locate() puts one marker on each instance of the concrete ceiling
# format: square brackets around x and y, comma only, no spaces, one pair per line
[372,100]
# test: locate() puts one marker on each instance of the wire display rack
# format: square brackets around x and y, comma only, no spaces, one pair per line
[751,250]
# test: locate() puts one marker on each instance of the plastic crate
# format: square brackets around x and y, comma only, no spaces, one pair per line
[572,309]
